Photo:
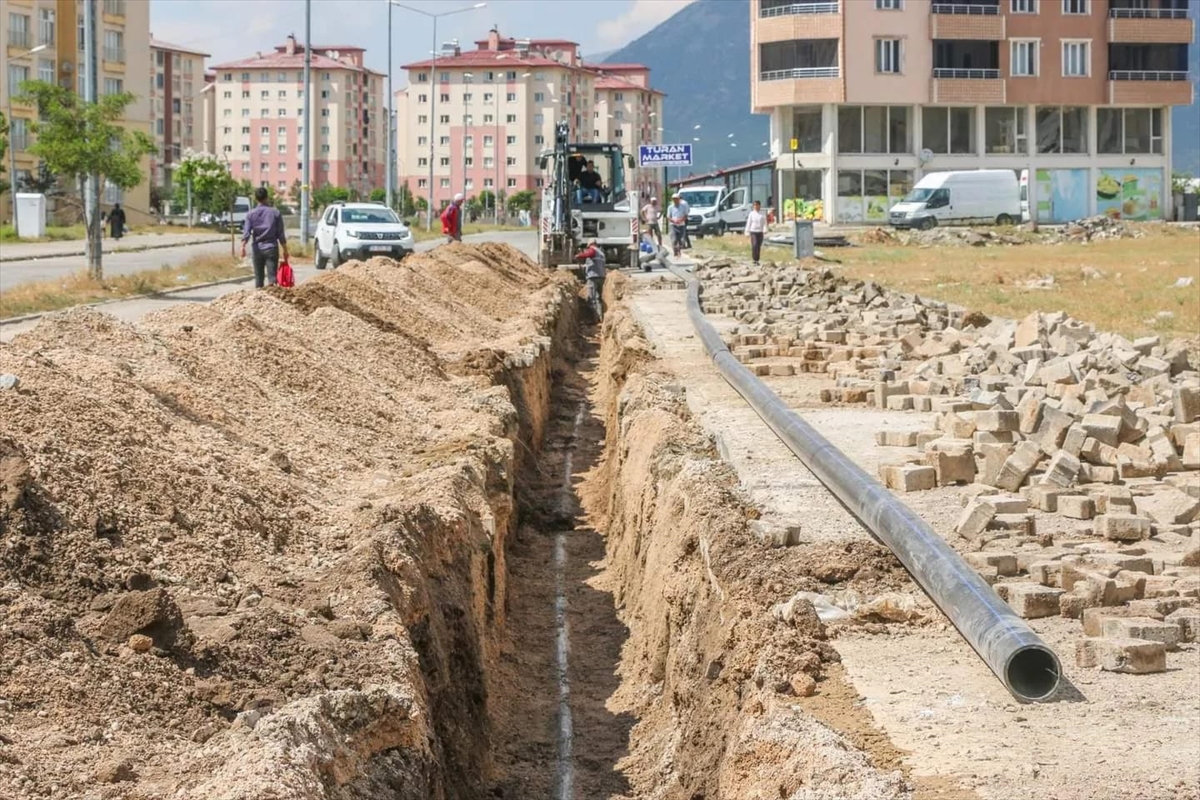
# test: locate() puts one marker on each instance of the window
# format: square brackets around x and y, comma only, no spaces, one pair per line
[264,131]
[114,47]
[949,130]
[889,5]
[282,94]
[245,94]
[489,141]
[445,98]
[225,95]
[1004,130]
[1121,131]
[245,77]
[488,183]
[511,97]
[1075,6]
[1061,129]
[467,97]
[282,166]
[443,76]
[443,140]
[282,131]
[113,193]
[281,112]
[324,112]
[422,183]
[324,148]
[264,94]
[443,161]
[264,112]
[422,161]
[512,182]
[510,161]
[46,70]
[265,147]
[470,184]
[510,140]
[444,119]
[19,133]
[488,119]
[18,30]
[46,26]
[539,97]
[511,75]
[324,130]
[423,119]
[116,86]
[488,97]
[539,119]
[422,140]
[510,119]
[264,166]
[1024,6]
[1024,58]
[887,56]
[539,139]
[444,183]
[866,129]
[1076,63]
[422,98]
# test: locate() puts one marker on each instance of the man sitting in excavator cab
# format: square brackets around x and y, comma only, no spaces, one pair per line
[591,185]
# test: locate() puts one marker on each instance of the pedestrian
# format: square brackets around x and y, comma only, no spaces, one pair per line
[594,272]
[652,219]
[756,228]
[677,214]
[116,221]
[264,224]
[452,219]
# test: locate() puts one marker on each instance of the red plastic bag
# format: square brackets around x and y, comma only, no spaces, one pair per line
[284,276]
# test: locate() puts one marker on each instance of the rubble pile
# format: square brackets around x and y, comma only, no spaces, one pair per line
[1090,229]
[1079,450]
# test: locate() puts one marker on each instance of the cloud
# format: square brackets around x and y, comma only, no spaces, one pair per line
[640,17]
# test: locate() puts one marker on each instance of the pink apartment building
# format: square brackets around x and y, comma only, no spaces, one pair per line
[259,118]
[496,107]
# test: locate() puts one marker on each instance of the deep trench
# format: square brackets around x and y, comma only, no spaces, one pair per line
[553,735]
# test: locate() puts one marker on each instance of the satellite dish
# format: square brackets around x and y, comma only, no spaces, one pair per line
[926,156]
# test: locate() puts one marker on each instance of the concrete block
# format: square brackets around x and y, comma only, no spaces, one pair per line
[996,421]
[1168,506]
[1093,618]
[975,519]
[992,458]
[994,437]
[1018,466]
[1134,656]
[1030,331]
[1005,564]
[1076,507]
[1188,620]
[1096,452]
[1114,499]
[1142,628]
[900,402]
[1103,428]
[1159,607]
[1032,600]
[1052,428]
[1047,573]
[1123,527]
[896,438]
[1191,451]
[1009,504]
[1186,403]
[1073,441]
[1073,604]
[1029,410]
[1180,432]
[956,426]
[1094,474]
[1063,470]
[1020,524]
[1044,497]
[910,478]
[952,466]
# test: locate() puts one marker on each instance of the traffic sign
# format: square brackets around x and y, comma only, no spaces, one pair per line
[664,155]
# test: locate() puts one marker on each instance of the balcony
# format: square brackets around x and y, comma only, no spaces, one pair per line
[783,22]
[1149,87]
[966,72]
[797,72]
[114,55]
[977,20]
[1166,22]
[784,8]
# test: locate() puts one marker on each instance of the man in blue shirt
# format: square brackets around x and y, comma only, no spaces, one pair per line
[264,224]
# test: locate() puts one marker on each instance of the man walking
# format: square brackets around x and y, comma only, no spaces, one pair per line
[651,218]
[264,224]
[756,228]
[677,215]
[452,220]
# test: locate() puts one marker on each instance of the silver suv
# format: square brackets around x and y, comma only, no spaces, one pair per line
[361,230]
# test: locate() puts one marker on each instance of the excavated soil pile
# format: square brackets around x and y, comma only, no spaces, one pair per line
[723,656]
[254,549]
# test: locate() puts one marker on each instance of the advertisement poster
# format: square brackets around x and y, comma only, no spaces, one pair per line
[877,209]
[1132,194]
[850,209]
[794,209]
[1062,194]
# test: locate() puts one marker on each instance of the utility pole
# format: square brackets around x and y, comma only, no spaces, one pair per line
[92,187]
[306,187]
[391,142]
[468,79]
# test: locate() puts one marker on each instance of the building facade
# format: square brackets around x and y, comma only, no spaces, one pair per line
[177,83]
[123,58]
[492,111]
[259,119]
[866,96]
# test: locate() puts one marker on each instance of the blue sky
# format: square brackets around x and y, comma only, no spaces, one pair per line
[232,29]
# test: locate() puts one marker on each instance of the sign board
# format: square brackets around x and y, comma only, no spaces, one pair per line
[664,155]
[795,145]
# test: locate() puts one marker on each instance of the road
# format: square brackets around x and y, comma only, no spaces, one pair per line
[134,309]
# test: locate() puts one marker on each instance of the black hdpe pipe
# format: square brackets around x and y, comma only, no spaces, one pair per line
[1023,663]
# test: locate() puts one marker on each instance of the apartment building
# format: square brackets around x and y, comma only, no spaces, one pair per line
[177,84]
[123,58]
[492,111]
[866,96]
[259,118]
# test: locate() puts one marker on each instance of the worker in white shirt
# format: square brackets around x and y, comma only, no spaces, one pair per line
[756,226]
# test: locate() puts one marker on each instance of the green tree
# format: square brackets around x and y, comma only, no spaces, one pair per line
[326,194]
[76,139]
[212,185]
[487,199]
[378,195]
[3,152]
[522,201]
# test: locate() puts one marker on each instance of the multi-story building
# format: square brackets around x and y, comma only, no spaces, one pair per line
[123,59]
[259,122]
[866,96]
[208,114]
[177,82]
[491,111]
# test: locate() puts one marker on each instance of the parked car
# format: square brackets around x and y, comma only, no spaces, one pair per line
[361,230]
[965,197]
[713,210]
[241,207]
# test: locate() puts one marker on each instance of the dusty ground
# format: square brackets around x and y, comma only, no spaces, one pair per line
[924,687]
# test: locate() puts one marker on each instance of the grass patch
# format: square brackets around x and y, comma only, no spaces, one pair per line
[79,289]
[54,233]
[1136,281]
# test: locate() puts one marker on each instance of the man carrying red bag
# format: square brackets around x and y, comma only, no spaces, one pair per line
[264,224]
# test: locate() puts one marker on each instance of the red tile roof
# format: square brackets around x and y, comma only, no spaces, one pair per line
[473,58]
[159,44]
[295,61]
[533,42]
[618,67]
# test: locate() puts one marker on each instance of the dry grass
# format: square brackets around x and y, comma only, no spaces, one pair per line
[78,289]
[72,233]
[421,235]
[1137,283]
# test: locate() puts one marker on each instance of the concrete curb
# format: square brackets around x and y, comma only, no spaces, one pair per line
[130,298]
[117,251]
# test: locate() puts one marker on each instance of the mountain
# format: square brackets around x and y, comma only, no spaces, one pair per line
[1185,120]
[700,58]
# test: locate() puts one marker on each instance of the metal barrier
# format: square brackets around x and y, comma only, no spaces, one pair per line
[1023,663]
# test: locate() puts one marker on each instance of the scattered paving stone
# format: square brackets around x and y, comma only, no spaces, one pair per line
[1135,656]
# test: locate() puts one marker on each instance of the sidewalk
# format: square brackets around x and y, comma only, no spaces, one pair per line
[25,251]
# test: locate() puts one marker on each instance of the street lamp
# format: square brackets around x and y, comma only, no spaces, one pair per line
[433,88]
[12,150]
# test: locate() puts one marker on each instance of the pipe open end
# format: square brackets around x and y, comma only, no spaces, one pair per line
[1033,673]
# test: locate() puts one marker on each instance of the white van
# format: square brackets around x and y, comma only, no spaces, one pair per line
[241,207]
[974,196]
[716,209]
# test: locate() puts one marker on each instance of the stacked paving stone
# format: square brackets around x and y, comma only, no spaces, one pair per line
[1045,420]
